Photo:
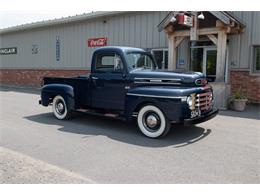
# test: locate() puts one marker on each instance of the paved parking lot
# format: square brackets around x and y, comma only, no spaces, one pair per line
[90,149]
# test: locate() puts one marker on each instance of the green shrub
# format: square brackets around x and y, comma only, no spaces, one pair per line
[239,94]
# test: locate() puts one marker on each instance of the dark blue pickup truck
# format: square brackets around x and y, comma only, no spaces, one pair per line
[125,83]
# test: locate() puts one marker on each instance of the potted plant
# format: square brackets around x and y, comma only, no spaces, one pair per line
[238,101]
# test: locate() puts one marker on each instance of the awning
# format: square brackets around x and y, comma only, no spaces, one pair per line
[226,17]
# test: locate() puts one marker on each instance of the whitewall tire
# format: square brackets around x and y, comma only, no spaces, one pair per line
[152,122]
[60,109]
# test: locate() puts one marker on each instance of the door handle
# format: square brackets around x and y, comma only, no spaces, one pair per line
[94,78]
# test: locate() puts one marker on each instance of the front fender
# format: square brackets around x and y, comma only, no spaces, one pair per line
[169,101]
[48,92]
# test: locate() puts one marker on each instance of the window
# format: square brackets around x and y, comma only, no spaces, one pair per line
[108,63]
[256,61]
[161,57]
[139,60]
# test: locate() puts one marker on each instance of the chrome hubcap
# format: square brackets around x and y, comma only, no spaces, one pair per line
[60,108]
[151,121]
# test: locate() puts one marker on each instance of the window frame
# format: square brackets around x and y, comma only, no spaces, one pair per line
[114,54]
[253,64]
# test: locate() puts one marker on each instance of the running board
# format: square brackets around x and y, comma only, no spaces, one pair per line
[94,112]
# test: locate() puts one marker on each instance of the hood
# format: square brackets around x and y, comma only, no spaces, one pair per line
[158,77]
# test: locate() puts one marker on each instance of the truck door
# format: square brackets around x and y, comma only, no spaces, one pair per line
[108,81]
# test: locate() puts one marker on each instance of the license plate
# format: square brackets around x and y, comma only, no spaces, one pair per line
[195,113]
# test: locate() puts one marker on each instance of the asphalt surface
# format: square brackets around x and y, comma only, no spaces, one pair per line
[37,148]
[18,168]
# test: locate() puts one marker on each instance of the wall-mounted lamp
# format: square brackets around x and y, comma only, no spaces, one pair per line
[173,19]
[201,16]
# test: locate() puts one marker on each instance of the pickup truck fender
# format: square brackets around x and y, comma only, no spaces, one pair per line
[49,91]
[171,101]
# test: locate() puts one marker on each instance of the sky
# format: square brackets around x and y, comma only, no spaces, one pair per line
[17,12]
[8,19]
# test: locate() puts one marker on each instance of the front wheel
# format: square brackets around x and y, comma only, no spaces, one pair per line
[152,122]
[60,109]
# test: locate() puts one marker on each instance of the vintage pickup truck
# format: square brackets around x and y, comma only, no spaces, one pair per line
[125,83]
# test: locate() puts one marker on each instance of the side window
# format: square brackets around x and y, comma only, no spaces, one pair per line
[109,63]
[256,61]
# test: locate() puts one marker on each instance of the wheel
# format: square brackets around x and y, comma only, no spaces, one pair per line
[152,122]
[60,109]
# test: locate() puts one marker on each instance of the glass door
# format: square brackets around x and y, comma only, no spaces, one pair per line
[196,59]
[204,59]
[209,63]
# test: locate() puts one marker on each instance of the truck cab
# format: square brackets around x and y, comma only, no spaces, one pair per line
[125,83]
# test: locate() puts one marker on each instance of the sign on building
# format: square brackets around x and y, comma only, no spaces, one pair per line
[57,48]
[8,51]
[97,42]
[35,49]
[185,20]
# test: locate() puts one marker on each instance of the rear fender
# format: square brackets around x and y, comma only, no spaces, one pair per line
[49,91]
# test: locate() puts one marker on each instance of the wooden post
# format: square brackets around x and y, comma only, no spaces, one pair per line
[194,30]
[172,53]
[221,56]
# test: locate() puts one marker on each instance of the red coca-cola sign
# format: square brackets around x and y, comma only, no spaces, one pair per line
[97,42]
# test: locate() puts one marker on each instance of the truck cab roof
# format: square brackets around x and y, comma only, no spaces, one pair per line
[118,49]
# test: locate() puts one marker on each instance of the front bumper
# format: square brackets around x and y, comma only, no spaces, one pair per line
[201,118]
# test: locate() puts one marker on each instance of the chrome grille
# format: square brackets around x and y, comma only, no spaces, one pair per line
[204,101]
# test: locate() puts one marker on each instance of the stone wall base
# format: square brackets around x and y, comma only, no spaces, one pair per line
[249,84]
[33,78]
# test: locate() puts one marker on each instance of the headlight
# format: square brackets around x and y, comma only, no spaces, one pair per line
[189,101]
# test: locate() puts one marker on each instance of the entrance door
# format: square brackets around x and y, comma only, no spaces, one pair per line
[209,63]
[204,59]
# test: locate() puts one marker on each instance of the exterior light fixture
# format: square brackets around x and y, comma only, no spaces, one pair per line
[201,16]
[173,19]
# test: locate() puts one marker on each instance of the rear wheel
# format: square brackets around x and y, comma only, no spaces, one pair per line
[60,109]
[152,122]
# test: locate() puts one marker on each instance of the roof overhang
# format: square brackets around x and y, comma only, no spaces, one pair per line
[70,19]
[225,18]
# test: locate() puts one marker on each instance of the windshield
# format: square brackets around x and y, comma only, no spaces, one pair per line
[139,60]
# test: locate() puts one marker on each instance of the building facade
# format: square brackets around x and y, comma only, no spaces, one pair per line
[63,47]
[60,47]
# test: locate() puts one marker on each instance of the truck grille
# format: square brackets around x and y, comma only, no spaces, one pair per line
[204,101]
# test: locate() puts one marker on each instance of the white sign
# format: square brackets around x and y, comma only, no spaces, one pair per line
[185,20]
[7,51]
[188,21]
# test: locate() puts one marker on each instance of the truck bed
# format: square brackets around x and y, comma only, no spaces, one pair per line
[81,87]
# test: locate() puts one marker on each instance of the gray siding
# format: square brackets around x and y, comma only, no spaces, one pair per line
[137,29]
[240,46]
